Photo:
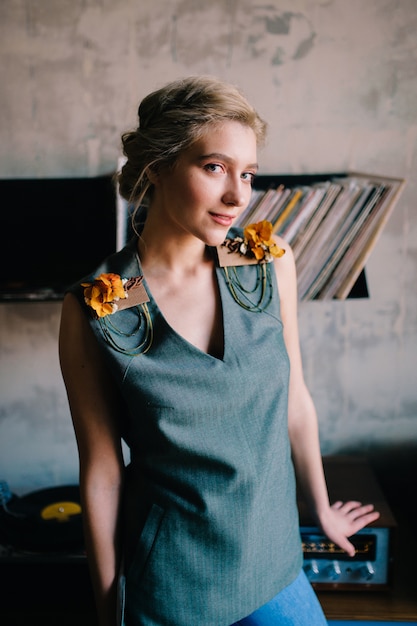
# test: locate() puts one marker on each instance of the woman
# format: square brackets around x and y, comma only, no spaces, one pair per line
[185,344]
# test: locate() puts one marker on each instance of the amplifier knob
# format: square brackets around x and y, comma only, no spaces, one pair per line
[367,571]
[334,570]
[312,568]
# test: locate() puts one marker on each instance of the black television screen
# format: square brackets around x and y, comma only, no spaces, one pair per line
[54,231]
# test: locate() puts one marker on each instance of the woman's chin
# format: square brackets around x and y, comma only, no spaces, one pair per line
[216,236]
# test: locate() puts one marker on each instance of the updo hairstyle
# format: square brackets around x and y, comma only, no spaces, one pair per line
[171,119]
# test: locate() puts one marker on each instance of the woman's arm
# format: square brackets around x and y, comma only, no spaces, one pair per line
[94,409]
[341,520]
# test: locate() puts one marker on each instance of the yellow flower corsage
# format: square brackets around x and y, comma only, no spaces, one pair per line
[104,293]
[257,242]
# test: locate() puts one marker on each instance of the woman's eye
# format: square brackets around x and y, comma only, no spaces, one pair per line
[248,176]
[213,167]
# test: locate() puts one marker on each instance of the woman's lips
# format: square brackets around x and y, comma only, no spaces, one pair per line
[224,220]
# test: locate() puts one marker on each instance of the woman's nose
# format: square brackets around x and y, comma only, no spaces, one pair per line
[235,193]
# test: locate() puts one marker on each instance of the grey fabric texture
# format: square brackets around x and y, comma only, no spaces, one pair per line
[211,522]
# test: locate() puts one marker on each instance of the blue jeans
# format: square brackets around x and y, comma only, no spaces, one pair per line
[296,605]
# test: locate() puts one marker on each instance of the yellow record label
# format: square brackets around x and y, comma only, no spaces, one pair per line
[60,511]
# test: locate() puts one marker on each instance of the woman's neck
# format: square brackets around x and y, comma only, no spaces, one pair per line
[162,252]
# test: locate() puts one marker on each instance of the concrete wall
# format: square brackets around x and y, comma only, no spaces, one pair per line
[337,82]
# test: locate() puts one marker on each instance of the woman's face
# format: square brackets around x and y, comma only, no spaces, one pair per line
[210,184]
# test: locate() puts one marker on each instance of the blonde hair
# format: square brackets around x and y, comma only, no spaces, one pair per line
[171,119]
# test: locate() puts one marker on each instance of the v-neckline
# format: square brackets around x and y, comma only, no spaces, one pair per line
[178,336]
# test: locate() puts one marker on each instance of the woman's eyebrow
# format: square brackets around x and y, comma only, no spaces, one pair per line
[223,157]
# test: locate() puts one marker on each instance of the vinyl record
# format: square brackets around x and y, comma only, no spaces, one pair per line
[44,520]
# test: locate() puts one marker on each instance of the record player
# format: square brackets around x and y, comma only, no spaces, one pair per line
[43,521]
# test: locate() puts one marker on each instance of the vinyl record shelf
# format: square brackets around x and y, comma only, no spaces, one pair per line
[331,220]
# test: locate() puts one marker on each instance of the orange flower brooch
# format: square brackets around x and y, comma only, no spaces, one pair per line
[256,245]
[109,293]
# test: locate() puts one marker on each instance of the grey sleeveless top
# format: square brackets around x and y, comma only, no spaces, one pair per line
[211,522]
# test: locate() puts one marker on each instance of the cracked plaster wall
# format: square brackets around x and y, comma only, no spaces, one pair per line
[337,82]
